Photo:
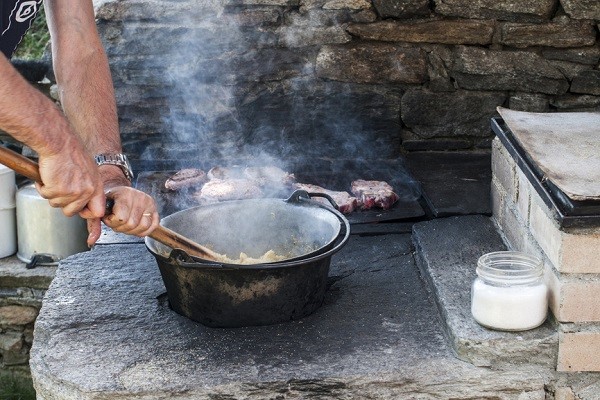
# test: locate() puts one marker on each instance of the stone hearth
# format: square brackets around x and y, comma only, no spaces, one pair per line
[103,333]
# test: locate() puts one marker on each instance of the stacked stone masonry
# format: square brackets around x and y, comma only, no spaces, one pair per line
[571,259]
[410,75]
[21,293]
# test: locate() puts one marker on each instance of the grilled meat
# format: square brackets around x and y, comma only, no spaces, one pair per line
[269,176]
[225,173]
[217,190]
[345,202]
[372,194]
[185,179]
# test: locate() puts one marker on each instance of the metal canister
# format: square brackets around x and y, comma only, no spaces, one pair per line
[44,233]
[8,230]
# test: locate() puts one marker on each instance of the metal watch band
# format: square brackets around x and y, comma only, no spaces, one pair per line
[117,159]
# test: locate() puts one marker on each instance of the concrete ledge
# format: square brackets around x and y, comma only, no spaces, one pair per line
[447,252]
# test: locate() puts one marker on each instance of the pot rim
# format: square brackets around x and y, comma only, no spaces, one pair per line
[181,258]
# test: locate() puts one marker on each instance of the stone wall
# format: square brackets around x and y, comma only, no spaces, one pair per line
[352,78]
[21,293]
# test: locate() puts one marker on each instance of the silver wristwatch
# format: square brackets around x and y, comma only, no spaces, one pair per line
[117,159]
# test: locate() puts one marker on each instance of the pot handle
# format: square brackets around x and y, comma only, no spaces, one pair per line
[182,258]
[299,195]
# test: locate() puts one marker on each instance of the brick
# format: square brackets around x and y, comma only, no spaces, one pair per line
[578,351]
[576,251]
[513,228]
[523,196]
[504,169]
[573,299]
[497,195]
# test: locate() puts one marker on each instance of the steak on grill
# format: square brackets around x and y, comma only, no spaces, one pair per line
[217,190]
[345,202]
[374,194]
[269,176]
[185,179]
[225,173]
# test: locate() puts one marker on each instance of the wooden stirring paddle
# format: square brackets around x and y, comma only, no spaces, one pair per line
[30,169]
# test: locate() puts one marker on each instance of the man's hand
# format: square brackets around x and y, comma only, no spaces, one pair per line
[71,181]
[134,212]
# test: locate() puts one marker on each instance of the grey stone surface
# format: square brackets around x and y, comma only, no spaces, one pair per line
[372,63]
[442,31]
[447,252]
[585,55]
[582,9]
[108,236]
[103,334]
[401,9]
[13,274]
[212,72]
[556,34]
[576,102]
[449,114]
[587,82]
[479,69]
[533,10]
[531,102]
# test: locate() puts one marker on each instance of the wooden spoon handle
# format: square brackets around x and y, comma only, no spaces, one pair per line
[176,241]
[30,169]
[20,164]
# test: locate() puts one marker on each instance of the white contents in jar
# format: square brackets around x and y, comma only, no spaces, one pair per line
[509,292]
[509,308]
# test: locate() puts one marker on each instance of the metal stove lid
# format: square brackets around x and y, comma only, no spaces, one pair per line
[564,146]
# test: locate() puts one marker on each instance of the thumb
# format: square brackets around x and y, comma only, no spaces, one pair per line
[94,230]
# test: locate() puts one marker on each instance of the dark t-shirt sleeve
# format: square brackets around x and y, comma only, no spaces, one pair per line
[16,17]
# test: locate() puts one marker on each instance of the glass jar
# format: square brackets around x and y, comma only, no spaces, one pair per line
[509,292]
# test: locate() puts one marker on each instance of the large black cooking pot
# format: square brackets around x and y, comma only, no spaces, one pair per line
[231,295]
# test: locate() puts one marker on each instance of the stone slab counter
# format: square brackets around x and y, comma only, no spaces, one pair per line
[447,254]
[105,332]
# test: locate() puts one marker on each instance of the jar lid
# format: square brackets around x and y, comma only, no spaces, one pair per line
[509,268]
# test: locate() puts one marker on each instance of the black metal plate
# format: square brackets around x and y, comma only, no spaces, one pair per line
[337,176]
[454,183]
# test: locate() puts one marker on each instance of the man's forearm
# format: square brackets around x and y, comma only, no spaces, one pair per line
[28,115]
[83,76]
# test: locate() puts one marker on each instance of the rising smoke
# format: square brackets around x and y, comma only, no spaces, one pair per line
[242,94]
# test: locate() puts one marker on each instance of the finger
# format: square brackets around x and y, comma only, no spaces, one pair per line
[144,225]
[94,229]
[119,218]
[71,208]
[155,222]
[97,204]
